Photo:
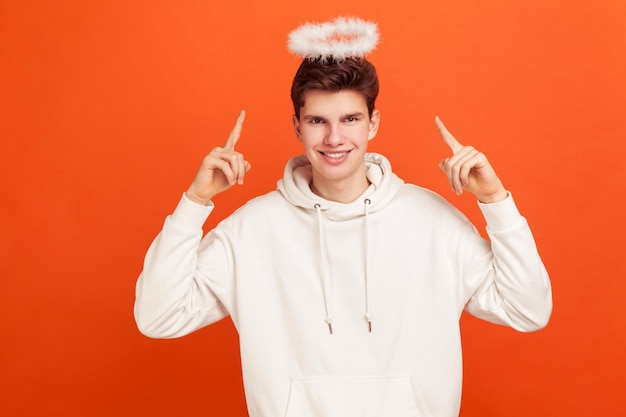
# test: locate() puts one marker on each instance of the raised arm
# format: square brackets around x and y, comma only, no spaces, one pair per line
[506,282]
[173,296]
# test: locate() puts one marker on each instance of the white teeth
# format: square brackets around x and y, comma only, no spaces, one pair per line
[335,154]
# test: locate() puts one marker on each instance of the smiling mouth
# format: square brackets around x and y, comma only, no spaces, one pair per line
[335,155]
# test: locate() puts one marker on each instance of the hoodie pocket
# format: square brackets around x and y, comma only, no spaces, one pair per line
[386,396]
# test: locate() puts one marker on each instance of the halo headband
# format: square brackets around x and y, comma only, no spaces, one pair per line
[340,39]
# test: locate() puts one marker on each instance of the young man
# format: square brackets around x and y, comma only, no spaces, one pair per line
[346,284]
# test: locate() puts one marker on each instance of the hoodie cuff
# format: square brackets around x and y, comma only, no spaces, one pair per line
[503,215]
[190,215]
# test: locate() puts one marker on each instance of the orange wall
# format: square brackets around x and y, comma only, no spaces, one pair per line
[107,107]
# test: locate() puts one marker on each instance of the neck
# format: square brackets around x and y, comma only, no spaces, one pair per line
[340,191]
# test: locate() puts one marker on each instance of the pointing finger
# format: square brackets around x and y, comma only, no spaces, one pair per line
[447,137]
[236,132]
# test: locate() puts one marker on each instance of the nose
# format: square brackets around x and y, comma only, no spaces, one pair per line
[333,135]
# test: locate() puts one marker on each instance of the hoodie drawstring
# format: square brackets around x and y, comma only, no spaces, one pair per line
[325,273]
[326,282]
[368,281]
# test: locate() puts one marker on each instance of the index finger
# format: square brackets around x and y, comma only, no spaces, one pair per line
[236,132]
[447,137]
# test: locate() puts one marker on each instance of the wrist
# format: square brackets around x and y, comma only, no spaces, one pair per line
[495,197]
[204,201]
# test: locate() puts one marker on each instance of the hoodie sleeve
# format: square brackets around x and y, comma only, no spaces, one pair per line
[511,285]
[173,298]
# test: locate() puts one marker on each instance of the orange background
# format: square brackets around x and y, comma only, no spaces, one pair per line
[107,108]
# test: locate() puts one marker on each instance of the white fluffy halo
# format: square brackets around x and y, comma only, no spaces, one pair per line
[340,39]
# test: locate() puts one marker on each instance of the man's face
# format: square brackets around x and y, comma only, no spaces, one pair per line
[334,128]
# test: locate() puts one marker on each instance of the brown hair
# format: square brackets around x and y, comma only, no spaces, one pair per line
[352,74]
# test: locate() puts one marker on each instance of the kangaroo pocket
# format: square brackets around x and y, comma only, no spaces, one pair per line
[387,396]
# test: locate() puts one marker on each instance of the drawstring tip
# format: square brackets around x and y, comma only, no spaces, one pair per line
[369,325]
[330,328]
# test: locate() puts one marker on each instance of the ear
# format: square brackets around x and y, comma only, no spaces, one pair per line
[296,127]
[374,123]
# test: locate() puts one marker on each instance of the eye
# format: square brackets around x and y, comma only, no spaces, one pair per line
[316,120]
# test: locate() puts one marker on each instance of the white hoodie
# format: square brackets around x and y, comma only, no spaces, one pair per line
[388,275]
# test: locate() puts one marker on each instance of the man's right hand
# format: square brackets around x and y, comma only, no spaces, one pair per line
[220,169]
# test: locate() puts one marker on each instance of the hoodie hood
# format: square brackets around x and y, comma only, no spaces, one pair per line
[384,184]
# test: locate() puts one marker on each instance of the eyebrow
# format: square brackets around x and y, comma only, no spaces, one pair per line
[355,115]
[345,116]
